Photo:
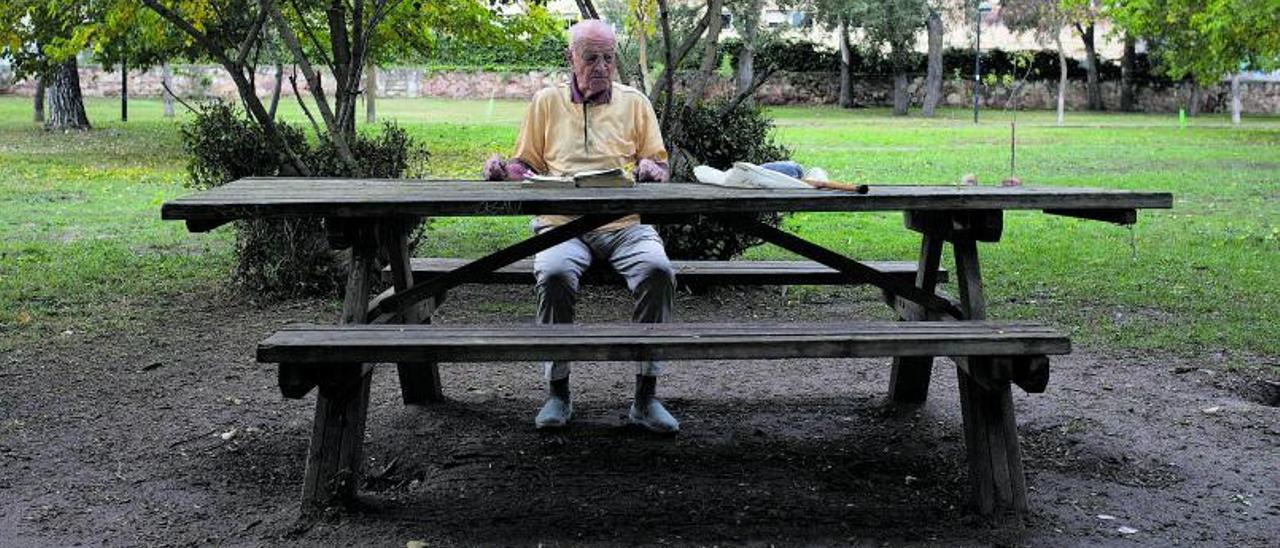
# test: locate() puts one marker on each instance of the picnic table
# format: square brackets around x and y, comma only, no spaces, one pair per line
[376,215]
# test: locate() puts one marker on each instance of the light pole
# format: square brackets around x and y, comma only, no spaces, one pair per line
[977,57]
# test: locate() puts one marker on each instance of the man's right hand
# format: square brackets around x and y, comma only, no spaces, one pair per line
[497,169]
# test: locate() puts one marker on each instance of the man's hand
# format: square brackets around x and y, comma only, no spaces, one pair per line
[496,169]
[650,171]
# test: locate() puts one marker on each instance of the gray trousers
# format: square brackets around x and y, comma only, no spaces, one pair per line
[635,252]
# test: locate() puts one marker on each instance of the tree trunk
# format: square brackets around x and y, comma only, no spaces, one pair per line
[370,93]
[710,52]
[900,98]
[275,91]
[587,10]
[747,58]
[166,76]
[37,101]
[1093,90]
[1235,99]
[846,58]
[66,106]
[1126,74]
[1062,75]
[344,95]
[124,91]
[1193,99]
[933,78]
[642,52]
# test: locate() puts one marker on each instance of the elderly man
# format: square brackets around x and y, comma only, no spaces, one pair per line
[594,123]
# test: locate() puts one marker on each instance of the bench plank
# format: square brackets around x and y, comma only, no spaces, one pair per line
[687,272]
[671,341]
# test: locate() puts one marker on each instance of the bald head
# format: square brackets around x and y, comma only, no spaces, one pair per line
[592,56]
[593,32]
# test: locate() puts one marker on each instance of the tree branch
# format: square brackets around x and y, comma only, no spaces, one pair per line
[667,77]
[293,81]
[185,26]
[317,91]
[665,84]
[744,94]
[311,34]
[175,97]
[587,10]
[254,33]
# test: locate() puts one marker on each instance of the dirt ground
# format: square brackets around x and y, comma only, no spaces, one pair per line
[168,433]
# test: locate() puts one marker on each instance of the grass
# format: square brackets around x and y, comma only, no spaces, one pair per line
[80,230]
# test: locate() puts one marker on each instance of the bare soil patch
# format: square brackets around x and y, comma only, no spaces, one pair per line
[169,433]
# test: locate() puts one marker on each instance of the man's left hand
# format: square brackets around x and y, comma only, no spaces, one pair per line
[649,171]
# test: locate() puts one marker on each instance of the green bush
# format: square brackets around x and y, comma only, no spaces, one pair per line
[702,134]
[284,257]
[547,53]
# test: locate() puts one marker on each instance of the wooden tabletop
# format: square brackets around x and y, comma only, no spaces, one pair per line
[274,197]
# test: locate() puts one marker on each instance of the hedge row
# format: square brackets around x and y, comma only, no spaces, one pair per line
[800,56]
[797,56]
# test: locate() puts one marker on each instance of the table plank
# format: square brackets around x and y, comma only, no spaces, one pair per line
[265,197]
[626,342]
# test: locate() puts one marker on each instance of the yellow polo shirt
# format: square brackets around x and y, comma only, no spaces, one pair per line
[560,137]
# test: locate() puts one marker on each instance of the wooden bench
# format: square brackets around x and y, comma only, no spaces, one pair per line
[989,355]
[688,273]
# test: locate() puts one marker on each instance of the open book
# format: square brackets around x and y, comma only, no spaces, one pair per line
[597,178]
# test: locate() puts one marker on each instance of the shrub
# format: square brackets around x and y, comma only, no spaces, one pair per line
[701,134]
[284,257]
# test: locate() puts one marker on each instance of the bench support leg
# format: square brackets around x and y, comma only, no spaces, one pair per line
[336,455]
[990,430]
[419,381]
[909,378]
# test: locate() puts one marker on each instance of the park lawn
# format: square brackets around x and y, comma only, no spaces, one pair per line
[80,229]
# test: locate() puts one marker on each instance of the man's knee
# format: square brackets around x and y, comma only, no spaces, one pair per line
[659,272]
[557,277]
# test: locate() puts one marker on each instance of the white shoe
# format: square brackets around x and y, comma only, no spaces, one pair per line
[653,417]
[555,413]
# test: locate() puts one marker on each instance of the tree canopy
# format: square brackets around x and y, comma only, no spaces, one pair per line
[1206,39]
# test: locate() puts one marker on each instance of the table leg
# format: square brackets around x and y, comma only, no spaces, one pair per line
[335,457]
[909,378]
[991,434]
[419,381]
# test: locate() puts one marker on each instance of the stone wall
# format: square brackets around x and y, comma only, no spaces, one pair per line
[785,88]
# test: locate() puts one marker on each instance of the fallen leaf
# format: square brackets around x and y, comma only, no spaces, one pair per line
[23,317]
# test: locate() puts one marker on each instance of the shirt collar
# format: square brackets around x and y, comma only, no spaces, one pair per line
[576,96]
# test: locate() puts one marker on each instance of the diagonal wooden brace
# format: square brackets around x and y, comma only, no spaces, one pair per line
[399,303]
[855,271]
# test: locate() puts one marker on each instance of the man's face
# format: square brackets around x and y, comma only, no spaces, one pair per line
[593,62]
